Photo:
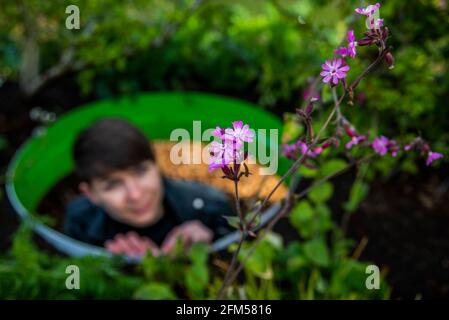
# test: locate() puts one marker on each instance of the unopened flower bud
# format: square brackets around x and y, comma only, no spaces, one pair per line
[365,42]
[318,150]
[309,108]
[425,148]
[389,59]
[350,132]
[385,33]
[329,142]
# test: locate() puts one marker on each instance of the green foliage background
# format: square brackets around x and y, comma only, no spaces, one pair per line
[262,50]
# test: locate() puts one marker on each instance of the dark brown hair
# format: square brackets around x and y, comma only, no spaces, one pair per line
[109,145]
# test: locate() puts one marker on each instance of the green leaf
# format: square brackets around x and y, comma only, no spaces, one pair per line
[274,239]
[296,263]
[233,221]
[199,253]
[359,191]
[324,218]
[155,291]
[260,261]
[197,278]
[249,216]
[385,165]
[307,172]
[332,166]
[409,165]
[317,252]
[301,213]
[321,193]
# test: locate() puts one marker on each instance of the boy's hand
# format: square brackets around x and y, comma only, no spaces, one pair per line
[190,231]
[131,244]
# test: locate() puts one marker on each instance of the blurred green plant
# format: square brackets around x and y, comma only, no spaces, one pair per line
[306,269]
[28,273]
[263,51]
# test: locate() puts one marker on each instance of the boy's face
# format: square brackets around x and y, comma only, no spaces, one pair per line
[132,196]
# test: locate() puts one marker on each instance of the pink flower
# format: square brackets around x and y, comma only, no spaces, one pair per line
[342,51]
[419,144]
[224,154]
[375,24]
[354,141]
[318,150]
[432,156]
[217,147]
[352,52]
[291,150]
[369,10]
[423,147]
[380,145]
[239,134]
[393,147]
[333,71]
[216,163]
[304,149]
[355,137]
[230,150]
[218,133]
[218,158]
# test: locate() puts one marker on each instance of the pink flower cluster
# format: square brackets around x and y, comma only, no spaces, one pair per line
[350,50]
[335,71]
[230,151]
[424,148]
[355,137]
[369,12]
[382,145]
[294,150]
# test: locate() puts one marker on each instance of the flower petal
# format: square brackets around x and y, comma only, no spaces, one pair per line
[338,63]
[335,79]
[237,124]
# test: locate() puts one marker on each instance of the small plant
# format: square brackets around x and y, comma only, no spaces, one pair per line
[230,157]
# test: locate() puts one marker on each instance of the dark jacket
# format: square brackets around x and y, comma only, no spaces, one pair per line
[183,201]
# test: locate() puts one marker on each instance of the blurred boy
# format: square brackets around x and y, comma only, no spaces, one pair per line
[127,206]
